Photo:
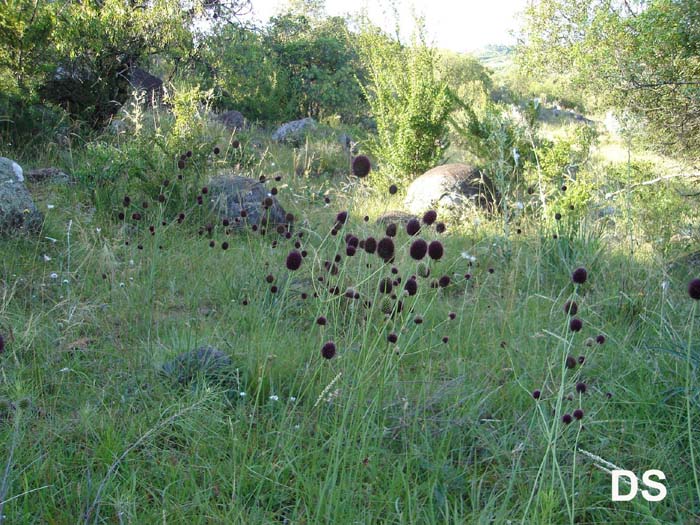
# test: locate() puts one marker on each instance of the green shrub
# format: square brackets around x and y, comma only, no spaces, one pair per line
[408,100]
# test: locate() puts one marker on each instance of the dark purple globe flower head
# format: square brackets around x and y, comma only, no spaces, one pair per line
[280,229]
[536,394]
[337,258]
[444,281]
[581,359]
[440,227]
[394,270]
[418,249]
[328,350]
[205,190]
[563,187]
[392,337]
[273,289]
[289,217]
[370,245]
[575,324]
[570,362]
[352,240]
[136,216]
[418,319]
[578,414]
[435,250]
[570,308]
[127,201]
[467,276]
[557,216]
[274,191]
[341,218]
[267,202]
[600,339]
[304,253]
[452,316]
[270,278]
[445,339]
[350,250]
[189,153]
[217,150]
[361,166]
[694,289]
[391,230]
[411,287]
[581,388]
[579,275]
[366,218]
[429,217]
[434,284]
[491,270]
[224,245]
[567,419]
[385,249]
[294,260]
[385,285]
[393,189]
[121,216]
[412,227]
[181,164]
[327,200]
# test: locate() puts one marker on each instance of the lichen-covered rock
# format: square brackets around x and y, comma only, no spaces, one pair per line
[450,186]
[294,131]
[18,214]
[232,120]
[52,175]
[206,360]
[245,201]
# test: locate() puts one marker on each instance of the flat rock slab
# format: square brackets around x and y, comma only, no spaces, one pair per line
[450,186]
[52,175]
[206,360]
[18,213]
[294,131]
[231,195]
[232,120]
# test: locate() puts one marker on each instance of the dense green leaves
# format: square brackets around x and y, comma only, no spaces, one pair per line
[641,56]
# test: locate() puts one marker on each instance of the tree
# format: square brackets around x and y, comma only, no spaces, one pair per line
[640,55]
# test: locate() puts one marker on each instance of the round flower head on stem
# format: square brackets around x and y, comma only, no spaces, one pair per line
[412,227]
[430,217]
[385,249]
[294,260]
[328,350]
[694,289]
[579,275]
[435,250]
[575,324]
[361,166]
[418,249]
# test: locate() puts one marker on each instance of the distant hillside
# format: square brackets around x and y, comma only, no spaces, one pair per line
[496,57]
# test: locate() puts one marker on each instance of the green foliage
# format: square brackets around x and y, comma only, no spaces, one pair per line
[641,55]
[409,102]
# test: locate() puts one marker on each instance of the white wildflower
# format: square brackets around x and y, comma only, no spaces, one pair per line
[54,275]
[50,206]
[468,257]
[46,258]
[274,398]
[519,205]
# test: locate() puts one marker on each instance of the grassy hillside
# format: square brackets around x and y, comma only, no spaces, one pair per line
[479,399]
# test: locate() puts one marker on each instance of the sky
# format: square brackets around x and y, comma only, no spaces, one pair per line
[459,25]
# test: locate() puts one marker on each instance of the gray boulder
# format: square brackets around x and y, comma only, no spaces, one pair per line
[52,175]
[142,81]
[450,186]
[232,120]
[206,360]
[18,214]
[231,195]
[294,131]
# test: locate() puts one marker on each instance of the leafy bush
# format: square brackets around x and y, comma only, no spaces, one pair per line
[408,100]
